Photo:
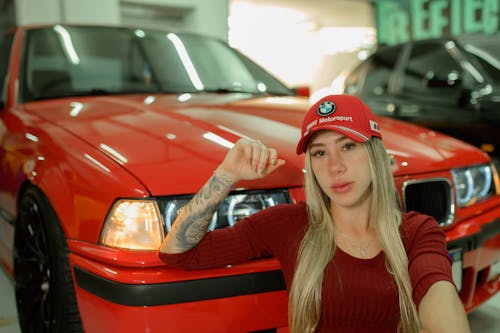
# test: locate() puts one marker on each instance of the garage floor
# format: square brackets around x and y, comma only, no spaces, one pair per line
[486,319]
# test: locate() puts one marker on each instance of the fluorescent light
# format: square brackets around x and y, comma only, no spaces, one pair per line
[184,97]
[140,33]
[31,137]
[76,108]
[218,140]
[186,61]
[149,100]
[96,162]
[114,153]
[69,49]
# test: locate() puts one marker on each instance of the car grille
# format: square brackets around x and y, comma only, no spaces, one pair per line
[432,197]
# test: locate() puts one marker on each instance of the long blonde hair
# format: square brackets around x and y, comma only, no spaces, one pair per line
[318,245]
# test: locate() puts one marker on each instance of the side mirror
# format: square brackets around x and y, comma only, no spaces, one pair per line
[303,91]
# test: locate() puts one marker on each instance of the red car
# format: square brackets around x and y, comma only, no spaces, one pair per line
[105,132]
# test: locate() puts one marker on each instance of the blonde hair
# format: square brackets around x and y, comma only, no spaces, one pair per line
[318,245]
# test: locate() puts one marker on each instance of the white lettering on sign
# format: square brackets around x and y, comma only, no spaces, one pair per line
[402,20]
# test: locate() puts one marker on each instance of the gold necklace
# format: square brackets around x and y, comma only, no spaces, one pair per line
[362,249]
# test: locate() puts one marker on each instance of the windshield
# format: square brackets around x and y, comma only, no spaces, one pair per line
[486,50]
[73,61]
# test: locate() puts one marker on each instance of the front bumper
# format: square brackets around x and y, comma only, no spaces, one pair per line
[481,251]
[135,292]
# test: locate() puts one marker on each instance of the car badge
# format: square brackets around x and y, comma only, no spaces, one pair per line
[326,108]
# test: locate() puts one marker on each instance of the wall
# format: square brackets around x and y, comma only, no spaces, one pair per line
[67,11]
[304,44]
[200,16]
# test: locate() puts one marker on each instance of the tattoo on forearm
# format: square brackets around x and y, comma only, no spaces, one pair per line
[195,219]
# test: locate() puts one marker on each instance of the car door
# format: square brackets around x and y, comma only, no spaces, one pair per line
[434,89]
[373,78]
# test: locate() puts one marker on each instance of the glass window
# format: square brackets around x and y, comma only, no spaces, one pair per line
[430,67]
[70,61]
[352,83]
[372,76]
[489,59]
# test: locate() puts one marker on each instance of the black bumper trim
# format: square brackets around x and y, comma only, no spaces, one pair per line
[475,241]
[180,291]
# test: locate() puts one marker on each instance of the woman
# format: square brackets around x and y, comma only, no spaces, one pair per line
[352,261]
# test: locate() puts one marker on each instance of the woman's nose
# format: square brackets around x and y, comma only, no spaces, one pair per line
[337,164]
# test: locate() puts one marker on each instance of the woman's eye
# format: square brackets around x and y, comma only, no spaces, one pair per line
[349,146]
[318,153]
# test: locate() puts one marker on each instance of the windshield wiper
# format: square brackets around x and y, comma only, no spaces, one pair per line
[91,92]
[100,91]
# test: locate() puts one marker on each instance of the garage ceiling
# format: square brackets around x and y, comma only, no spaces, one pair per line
[327,12]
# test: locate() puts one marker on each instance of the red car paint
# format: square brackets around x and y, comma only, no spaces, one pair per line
[158,149]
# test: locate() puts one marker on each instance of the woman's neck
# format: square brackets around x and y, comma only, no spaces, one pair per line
[354,220]
[354,232]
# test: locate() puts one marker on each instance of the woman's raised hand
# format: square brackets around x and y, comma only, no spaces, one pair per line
[249,159]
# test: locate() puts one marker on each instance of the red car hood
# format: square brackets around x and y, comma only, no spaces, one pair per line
[173,146]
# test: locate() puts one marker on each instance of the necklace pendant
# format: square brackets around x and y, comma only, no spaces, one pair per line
[363,252]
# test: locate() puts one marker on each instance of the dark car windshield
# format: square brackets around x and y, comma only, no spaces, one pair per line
[71,61]
[487,51]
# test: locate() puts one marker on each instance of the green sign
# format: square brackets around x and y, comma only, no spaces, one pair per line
[403,20]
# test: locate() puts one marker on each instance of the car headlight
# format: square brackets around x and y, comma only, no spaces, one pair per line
[234,208]
[133,224]
[142,224]
[473,184]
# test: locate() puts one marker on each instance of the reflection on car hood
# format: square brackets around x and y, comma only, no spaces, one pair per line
[172,147]
[415,149]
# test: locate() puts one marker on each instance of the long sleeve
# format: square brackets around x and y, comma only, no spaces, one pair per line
[266,233]
[428,260]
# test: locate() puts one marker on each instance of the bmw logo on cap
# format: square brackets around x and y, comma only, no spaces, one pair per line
[326,108]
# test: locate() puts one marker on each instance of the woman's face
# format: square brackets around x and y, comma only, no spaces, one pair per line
[342,168]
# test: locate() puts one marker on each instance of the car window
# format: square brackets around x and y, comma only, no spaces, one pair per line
[71,61]
[372,76]
[352,83]
[5,47]
[430,66]
[488,56]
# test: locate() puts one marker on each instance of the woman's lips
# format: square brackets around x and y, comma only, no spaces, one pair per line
[341,187]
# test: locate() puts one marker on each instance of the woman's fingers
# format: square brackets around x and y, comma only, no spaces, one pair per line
[275,166]
[263,159]
[255,159]
[256,153]
[273,156]
[267,159]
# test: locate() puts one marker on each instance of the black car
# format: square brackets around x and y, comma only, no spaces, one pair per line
[451,85]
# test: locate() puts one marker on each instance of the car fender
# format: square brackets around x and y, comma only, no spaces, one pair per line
[80,182]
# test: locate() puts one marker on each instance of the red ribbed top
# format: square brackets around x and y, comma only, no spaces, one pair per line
[358,295]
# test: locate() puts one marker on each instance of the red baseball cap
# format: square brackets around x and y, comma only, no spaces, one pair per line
[345,114]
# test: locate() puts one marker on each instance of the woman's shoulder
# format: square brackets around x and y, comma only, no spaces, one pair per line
[412,221]
[416,227]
